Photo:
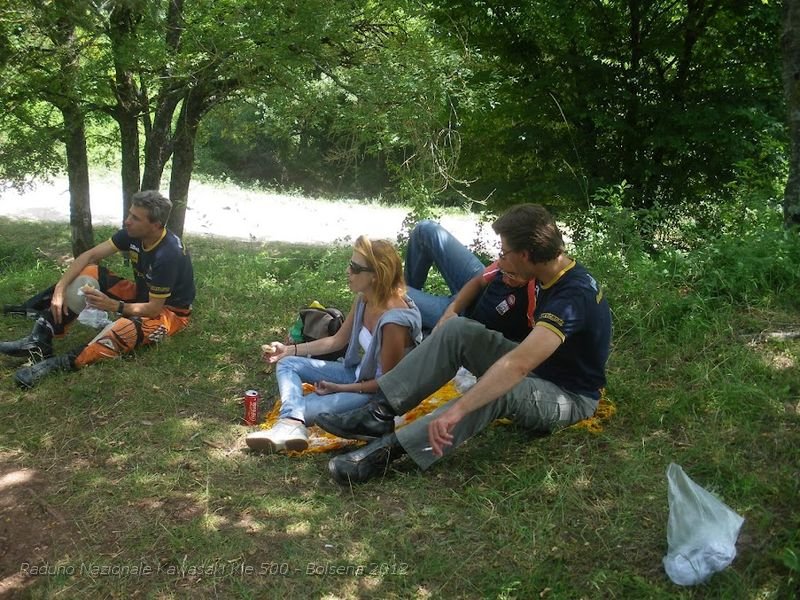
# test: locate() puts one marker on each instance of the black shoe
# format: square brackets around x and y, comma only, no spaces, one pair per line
[367,422]
[365,463]
[28,377]
[38,345]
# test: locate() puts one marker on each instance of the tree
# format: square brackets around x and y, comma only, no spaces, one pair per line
[790,45]
[157,68]
[388,98]
[671,97]
[185,65]
[42,65]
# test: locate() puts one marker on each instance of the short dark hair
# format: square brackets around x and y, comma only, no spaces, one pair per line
[158,206]
[531,228]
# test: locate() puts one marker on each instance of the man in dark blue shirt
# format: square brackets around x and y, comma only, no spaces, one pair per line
[484,294]
[156,304]
[549,380]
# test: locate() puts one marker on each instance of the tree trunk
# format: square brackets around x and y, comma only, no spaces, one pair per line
[74,136]
[790,46]
[158,140]
[193,109]
[158,143]
[122,28]
[80,210]
[129,140]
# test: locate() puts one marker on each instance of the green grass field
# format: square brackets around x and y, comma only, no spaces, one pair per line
[130,479]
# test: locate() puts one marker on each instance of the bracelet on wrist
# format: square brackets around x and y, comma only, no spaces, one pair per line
[120,307]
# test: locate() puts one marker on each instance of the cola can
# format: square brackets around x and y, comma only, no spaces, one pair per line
[251,398]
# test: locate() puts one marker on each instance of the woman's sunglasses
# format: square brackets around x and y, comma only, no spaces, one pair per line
[356,268]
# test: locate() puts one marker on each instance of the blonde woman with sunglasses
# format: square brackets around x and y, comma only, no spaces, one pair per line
[382,327]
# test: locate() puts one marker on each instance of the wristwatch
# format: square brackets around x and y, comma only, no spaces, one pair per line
[120,307]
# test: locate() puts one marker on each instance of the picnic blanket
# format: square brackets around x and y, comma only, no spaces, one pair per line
[322,441]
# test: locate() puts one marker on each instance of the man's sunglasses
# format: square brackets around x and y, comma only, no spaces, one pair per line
[356,268]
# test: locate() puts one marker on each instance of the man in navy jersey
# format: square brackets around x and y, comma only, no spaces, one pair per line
[484,294]
[156,304]
[550,380]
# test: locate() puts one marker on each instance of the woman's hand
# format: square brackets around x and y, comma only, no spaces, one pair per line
[275,351]
[323,388]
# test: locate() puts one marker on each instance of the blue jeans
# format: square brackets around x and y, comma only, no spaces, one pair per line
[430,245]
[292,371]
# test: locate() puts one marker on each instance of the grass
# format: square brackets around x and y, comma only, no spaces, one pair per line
[143,459]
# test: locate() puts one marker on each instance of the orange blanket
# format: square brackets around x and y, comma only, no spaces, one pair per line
[322,441]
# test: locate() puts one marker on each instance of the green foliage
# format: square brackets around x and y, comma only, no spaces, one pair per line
[750,270]
[28,145]
[422,206]
[384,121]
[458,101]
[791,558]
[671,97]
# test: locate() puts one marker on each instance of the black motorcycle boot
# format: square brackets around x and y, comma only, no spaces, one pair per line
[32,307]
[36,346]
[373,420]
[367,462]
[27,377]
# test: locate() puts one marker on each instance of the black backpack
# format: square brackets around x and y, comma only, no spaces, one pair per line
[317,323]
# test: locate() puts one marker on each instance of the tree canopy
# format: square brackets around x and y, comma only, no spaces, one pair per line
[678,104]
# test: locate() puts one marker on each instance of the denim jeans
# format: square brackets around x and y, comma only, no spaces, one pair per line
[430,245]
[292,371]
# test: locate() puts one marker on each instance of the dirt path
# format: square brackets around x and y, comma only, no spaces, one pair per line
[233,212]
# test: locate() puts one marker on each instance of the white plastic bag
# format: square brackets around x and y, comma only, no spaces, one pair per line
[464,380]
[701,531]
[93,317]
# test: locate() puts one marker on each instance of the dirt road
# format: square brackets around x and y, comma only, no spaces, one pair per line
[233,212]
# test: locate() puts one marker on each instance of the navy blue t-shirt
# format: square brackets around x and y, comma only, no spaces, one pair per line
[505,305]
[575,308]
[162,271]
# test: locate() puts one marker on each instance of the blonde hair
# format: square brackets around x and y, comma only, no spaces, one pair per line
[383,259]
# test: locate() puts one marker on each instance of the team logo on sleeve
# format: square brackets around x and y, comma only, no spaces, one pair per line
[556,320]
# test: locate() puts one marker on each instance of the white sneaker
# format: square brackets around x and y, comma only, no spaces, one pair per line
[287,434]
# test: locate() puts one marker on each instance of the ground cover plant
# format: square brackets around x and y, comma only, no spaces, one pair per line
[130,479]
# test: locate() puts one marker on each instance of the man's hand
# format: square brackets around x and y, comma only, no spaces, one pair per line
[97,299]
[448,313]
[440,430]
[57,305]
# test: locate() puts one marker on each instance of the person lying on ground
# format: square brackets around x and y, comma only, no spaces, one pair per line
[484,294]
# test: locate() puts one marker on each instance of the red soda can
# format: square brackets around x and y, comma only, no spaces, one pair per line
[251,398]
